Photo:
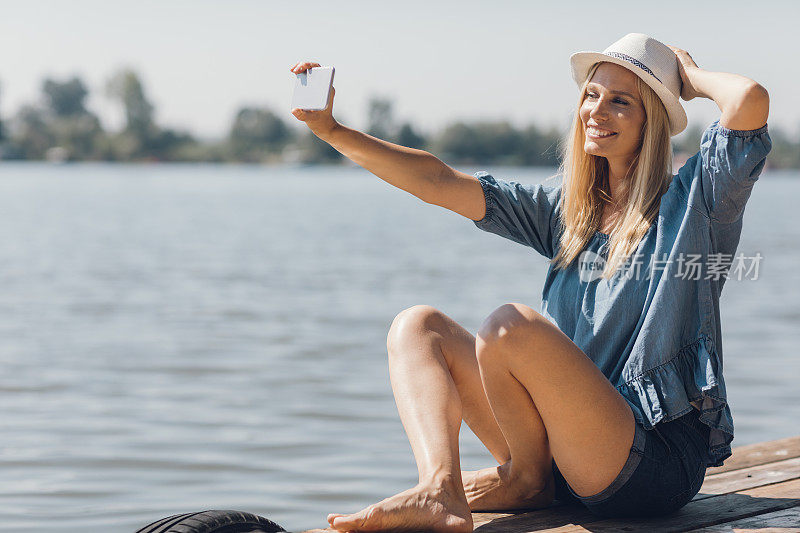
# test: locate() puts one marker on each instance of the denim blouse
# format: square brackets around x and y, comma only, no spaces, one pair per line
[654,328]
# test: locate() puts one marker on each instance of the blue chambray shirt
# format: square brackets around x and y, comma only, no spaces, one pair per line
[654,329]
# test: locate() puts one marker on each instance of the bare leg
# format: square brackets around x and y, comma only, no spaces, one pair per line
[436,381]
[549,398]
[524,482]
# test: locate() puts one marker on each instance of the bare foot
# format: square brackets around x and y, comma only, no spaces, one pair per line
[423,508]
[495,489]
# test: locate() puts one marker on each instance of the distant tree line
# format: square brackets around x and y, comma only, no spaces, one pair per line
[59,127]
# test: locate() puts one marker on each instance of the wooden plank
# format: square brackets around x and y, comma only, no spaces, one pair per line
[568,515]
[749,478]
[538,519]
[703,513]
[759,454]
[786,521]
[707,512]
[727,482]
[558,513]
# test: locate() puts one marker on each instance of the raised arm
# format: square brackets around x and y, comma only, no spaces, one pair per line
[733,149]
[415,171]
[743,102]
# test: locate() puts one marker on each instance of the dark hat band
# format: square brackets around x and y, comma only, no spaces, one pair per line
[633,60]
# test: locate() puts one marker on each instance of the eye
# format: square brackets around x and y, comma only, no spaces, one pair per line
[616,100]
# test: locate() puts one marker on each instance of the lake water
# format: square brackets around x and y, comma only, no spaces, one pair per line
[179,338]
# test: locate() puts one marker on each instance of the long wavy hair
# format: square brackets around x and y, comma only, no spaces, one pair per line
[586,190]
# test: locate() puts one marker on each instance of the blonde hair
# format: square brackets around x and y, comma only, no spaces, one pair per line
[586,189]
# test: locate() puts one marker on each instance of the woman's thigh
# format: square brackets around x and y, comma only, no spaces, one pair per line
[589,425]
[665,470]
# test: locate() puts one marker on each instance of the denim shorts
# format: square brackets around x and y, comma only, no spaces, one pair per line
[665,469]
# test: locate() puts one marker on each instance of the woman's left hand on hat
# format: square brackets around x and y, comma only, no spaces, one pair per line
[685,63]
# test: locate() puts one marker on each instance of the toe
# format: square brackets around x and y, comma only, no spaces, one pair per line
[346,522]
[341,522]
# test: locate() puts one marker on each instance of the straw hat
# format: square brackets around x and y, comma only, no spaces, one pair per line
[651,60]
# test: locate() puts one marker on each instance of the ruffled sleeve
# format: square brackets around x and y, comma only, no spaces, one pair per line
[730,163]
[526,214]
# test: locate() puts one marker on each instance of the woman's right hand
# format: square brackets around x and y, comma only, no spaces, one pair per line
[321,123]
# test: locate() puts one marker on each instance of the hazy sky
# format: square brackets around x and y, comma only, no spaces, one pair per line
[438,61]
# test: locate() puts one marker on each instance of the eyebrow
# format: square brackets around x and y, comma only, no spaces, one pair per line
[617,92]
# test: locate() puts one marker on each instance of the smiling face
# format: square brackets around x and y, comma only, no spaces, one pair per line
[612,105]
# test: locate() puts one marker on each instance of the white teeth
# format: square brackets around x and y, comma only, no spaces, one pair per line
[598,133]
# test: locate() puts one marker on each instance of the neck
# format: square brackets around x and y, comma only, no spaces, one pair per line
[617,174]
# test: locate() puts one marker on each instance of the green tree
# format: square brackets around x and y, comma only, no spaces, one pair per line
[73,127]
[406,136]
[256,133]
[127,89]
[538,148]
[688,141]
[65,99]
[170,145]
[380,119]
[315,151]
[79,135]
[142,138]
[480,142]
[32,136]
[785,152]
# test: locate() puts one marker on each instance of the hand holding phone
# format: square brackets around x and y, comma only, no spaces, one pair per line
[312,101]
[312,87]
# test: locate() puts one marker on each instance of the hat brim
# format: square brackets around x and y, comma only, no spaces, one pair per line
[581,63]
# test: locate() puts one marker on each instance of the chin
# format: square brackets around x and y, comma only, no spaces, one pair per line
[593,150]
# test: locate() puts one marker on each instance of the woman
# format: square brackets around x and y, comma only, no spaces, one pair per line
[613,395]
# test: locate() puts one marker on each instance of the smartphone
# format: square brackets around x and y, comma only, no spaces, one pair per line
[312,88]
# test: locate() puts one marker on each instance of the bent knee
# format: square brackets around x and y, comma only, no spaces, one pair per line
[509,325]
[412,322]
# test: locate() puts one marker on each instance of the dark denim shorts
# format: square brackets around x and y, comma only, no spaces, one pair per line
[664,471]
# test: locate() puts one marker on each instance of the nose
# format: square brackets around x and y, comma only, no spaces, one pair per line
[599,112]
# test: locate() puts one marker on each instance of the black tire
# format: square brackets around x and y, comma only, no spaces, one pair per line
[212,522]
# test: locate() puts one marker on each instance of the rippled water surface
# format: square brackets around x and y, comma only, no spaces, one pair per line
[177,338]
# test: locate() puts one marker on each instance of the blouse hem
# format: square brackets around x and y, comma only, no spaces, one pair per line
[740,133]
[694,374]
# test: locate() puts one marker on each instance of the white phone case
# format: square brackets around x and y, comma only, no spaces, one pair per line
[312,87]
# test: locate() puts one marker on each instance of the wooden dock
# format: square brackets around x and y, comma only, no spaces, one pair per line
[758,489]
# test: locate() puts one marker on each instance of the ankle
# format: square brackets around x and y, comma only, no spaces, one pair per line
[442,481]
